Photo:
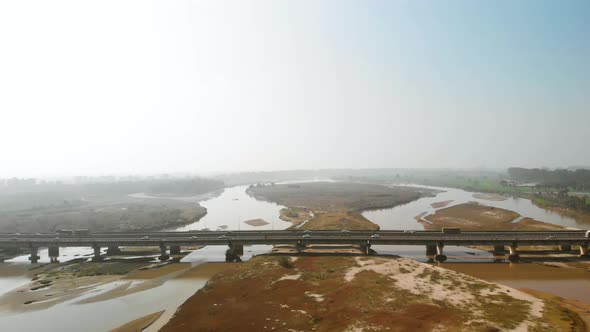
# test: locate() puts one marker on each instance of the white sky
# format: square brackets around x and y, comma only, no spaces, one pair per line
[147,87]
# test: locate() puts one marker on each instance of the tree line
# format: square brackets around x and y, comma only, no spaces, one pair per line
[559,178]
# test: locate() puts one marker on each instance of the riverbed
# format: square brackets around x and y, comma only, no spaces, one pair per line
[228,211]
[402,216]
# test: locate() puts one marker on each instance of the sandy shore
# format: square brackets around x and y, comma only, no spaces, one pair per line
[355,293]
[139,324]
[490,197]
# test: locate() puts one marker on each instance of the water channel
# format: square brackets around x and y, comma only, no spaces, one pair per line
[228,211]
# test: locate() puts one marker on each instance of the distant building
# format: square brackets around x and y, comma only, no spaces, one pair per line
[508,183]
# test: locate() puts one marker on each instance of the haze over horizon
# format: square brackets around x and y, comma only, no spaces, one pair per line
[136,87]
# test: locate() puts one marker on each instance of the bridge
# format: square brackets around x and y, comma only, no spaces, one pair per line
[434,241]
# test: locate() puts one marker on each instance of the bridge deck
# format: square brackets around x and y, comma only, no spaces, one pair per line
[383,237]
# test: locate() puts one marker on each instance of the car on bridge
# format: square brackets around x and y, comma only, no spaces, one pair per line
[588,234]
[375,236]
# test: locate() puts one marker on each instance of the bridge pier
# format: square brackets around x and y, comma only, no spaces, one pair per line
[300,247]
[366,248]
[440,256]
[565,247]
[97,257]
[513,253]
[430,250]
[174,250]
[499,250]
[34,258]
[234,253]
[53,254]
[113,250]
[583,251]
[163,255]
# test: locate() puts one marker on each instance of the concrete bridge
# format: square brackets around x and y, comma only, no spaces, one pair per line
[434,241]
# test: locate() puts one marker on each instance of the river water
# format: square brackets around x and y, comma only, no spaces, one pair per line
[228,211]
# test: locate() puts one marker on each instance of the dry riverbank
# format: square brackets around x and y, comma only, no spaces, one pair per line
[357,294]
[328,205]
[476,217]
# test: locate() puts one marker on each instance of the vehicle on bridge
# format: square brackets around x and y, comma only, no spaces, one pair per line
[588,234]
[82,232]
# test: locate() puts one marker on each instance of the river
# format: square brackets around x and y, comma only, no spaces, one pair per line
[229,210]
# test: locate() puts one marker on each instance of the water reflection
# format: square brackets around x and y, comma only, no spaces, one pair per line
[402,216]
[234,206]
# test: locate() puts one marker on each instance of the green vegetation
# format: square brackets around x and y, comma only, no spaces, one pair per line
[558,178]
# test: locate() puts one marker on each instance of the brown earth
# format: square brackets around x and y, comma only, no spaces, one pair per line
[473,216]
[438,205]
[333,205]
[337,220]
[295,215]
[352,294]
[139,324]
[564,309]
[323,196]
[256,222]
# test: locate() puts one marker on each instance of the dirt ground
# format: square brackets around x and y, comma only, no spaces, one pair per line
[139,324]
[339,196]
[473,216]
[354,294]
[338,220]
[334,206]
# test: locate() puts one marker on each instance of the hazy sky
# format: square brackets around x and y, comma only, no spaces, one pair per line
[164,86]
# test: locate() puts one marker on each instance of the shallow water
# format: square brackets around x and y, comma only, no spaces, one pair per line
[564,282]
[402,216]
[104,315]
[232,208]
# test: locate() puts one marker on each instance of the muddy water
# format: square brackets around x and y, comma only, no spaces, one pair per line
[402,216]
[234,206]
[564,282]
[108,314]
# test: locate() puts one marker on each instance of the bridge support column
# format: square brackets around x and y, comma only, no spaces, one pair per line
[163,255]
[34,258]
[499,250]
[113,250]
[97,257]
[440,256]
[366,248]
[234,253]
[583,251]
[565,247]
[53,254]
[430,250]
[300,247]
[174,250]
[513,255]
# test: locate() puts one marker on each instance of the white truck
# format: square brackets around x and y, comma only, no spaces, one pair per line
[588,234]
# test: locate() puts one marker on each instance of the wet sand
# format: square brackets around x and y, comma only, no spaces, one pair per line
[139,324]
[256,222]
[563,281]
[477,217]
[490,197]
[117,297]
[438,205]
